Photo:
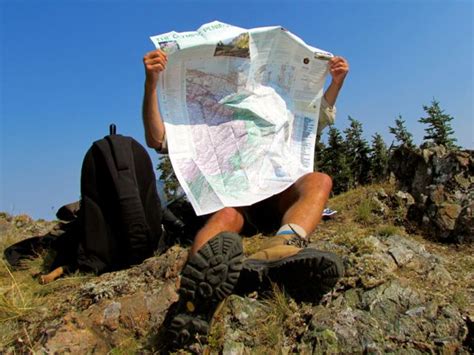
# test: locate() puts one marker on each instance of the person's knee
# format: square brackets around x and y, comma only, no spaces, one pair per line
[325,180]
[231,217]
[318,181]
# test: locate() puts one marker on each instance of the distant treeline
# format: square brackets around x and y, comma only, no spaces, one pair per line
[349,158]
[352,161]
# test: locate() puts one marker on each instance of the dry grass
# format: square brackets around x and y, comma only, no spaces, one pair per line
[359,216]
[14,302]
[278,307]
[24,302]
[17,302]
[386,230]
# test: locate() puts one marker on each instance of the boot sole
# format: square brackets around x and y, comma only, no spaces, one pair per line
[305,276]
[207,278]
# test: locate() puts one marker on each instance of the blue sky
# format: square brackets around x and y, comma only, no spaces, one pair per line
[69,68]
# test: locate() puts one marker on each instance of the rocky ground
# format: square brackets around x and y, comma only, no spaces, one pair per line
[440,184]
[402,293]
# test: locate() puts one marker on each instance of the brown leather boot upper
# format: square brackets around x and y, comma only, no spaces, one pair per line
[279,247]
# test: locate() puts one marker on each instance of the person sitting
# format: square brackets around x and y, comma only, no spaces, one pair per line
[215,265]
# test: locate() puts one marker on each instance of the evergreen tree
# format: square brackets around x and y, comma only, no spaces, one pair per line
[168,177]
[357,150]
[319,149]
[403,137]
[334,162]
[378,158]
[439,129]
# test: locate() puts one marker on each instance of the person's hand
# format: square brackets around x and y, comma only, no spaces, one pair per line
[338,67]
[154,62]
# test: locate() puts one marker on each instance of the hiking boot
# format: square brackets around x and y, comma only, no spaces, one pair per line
[305,273]
[207,278]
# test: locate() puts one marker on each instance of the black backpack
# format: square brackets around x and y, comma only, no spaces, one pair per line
[119,220]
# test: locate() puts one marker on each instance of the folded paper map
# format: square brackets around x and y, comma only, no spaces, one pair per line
[241,108]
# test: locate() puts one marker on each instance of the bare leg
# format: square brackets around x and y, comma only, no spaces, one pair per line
[304,201]
[228,219]
[304,272]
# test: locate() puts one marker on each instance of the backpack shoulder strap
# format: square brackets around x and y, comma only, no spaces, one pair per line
[117,152]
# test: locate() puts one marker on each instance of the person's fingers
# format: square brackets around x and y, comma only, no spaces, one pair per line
[155,67]
[338,61]
[159,67]
[154,61]
[339,66]
[339,70]
[159,53]
[155,55]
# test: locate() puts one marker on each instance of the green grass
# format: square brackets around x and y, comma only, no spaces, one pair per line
[358,245]
[388,230]
[365,212]
[278,308]
[127,346]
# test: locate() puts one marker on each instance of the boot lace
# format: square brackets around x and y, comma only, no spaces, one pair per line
[298,241]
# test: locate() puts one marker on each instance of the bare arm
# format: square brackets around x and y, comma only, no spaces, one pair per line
[154,62]
[338,67]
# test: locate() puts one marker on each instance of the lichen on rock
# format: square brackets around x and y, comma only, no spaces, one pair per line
[441,182]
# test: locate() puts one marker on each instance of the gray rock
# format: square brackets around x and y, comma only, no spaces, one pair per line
[441,183]
[111,315]
[234,348]
[405,198]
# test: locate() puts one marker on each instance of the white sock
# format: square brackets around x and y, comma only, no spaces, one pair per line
[292,228]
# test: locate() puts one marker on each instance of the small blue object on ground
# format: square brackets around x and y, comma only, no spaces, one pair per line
[329,212]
